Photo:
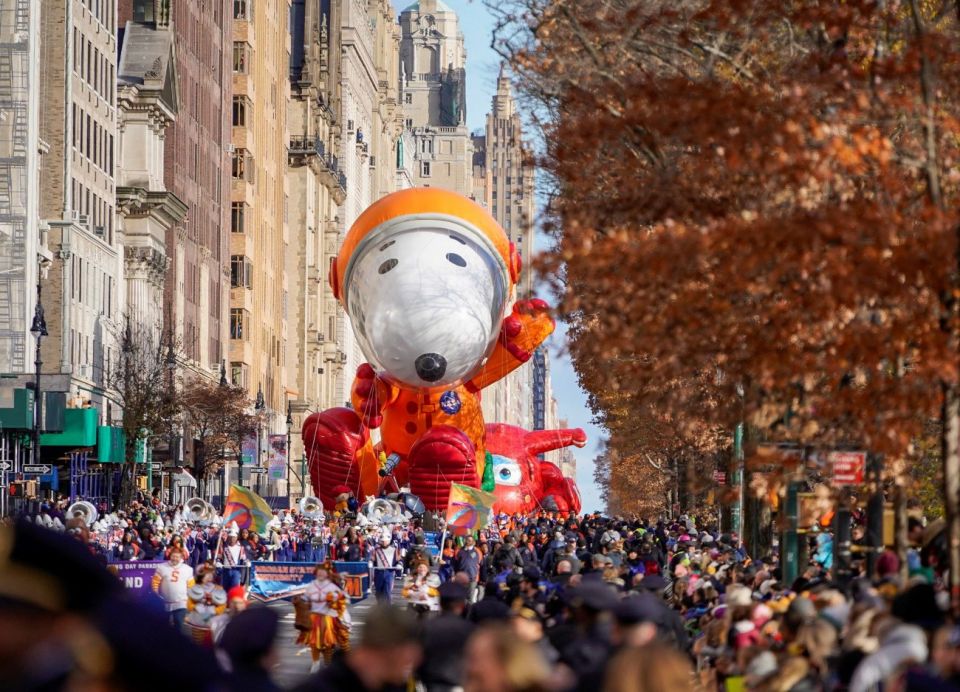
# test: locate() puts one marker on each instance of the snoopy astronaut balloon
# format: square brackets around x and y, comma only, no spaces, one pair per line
[428,279]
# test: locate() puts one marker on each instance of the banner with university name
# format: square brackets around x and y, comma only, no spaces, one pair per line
[273,581]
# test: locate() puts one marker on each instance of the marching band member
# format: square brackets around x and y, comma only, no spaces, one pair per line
[385,561]
[329,616]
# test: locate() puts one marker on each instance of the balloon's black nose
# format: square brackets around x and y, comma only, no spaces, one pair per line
[430,366]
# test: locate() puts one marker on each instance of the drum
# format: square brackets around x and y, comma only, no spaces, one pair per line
[301,618]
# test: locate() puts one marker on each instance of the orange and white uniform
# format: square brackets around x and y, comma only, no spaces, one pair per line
[172,583]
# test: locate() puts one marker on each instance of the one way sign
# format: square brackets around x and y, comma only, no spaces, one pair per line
[41,469]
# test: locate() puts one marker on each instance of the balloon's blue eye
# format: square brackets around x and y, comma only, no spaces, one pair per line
[456,259]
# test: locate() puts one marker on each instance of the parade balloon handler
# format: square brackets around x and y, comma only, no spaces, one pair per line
[330,620]
[428,278]
[172,581]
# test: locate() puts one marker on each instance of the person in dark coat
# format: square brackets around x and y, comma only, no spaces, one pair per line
[384,660]
[248,642]
[444,640]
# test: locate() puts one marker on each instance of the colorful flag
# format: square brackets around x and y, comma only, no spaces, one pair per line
[248,509]
[468,509]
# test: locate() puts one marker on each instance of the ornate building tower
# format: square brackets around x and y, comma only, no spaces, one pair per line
[433,82]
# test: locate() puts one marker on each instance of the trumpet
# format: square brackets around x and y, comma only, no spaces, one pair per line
[311,507]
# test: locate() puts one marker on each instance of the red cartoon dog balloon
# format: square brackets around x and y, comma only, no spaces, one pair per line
[428,279]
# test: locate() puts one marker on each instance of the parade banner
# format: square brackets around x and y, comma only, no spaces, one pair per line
[273,581]
[248,452]
[136,575]
[277,457]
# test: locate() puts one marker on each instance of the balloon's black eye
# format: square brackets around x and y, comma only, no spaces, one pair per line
[456,259]
[387,266]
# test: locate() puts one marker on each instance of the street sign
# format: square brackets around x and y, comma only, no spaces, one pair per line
[6,465]
[848,467]
[256,469]
[41,469]
[720,477]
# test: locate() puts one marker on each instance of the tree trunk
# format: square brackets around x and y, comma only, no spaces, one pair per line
[950,446]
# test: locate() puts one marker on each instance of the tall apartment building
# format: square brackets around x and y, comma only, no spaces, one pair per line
[504,180]
[507,175]
[197,171]
[371,126]
[433,83]
[317,188]
[259,293]
[78,121]
[148,103]
[22,245]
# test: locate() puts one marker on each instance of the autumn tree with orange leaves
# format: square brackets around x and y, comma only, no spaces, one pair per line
[759,198]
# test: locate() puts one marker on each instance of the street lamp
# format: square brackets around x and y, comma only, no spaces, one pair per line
[39,330]
[258,406]
[223,462]
[289,451]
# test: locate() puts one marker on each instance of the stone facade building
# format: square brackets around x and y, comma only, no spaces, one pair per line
[504,180]
[433,83]
[259,290]
[147,213]
[22,244]
[317,188]
[78,120]
[197,171]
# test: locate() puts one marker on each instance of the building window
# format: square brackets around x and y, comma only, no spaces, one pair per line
[409,123]
[425,169]
[238,325]
[238,374]
[242,9]
[240,106]
[237,215]
[239,167]
[241,272]
[408,97]
[241,57]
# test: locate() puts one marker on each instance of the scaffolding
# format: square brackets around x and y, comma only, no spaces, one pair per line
[15,75]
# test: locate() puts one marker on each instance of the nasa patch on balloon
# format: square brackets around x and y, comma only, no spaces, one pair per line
[450,402]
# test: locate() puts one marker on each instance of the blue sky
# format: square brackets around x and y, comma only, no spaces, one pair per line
[482,69]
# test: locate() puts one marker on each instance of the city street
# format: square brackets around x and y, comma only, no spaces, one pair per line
[294,660]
